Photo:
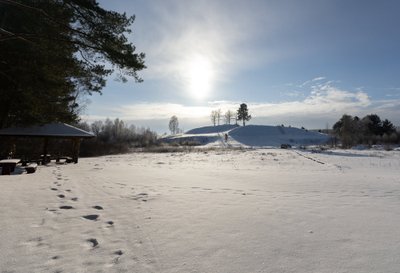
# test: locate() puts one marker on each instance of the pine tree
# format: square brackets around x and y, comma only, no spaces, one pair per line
[388,127]
[243,114]
[53,51]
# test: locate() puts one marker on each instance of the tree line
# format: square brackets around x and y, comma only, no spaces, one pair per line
[114,136]
[242,114]
[368,130]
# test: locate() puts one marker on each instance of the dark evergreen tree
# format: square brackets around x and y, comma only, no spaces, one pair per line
[243,113]
[373,124]
[388,127]
[53,51]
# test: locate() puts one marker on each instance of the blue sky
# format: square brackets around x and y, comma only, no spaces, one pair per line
[300,63]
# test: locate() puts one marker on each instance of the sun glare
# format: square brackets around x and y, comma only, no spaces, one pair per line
[200,77]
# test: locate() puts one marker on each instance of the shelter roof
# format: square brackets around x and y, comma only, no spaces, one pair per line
[47,130]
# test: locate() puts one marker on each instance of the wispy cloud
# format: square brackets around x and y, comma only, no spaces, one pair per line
[149,111]
[394,92]
[307,83]
[318,79]
[294,94]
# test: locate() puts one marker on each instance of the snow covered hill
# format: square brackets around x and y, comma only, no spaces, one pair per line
[212,129]
[250,136]
[260,135]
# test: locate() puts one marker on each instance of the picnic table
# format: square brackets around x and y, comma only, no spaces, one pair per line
[45,159]
[8,165]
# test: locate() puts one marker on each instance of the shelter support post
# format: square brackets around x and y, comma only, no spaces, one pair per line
[76,142]
[46,157]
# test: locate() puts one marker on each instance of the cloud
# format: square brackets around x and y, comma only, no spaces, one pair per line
[294,94]
[391,95]
[318,79]
[149,111]
[325,103]
[307,83]
[330,98]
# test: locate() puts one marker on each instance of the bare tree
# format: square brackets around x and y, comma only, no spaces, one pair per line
[229,115]
[219,116]
[97,127]
[213,117]
[174,125]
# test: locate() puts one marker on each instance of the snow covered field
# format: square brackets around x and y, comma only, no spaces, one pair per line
[265,210]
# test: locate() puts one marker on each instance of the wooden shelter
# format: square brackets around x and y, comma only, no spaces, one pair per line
[50,131]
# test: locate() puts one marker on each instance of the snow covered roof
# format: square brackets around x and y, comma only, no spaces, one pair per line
[47,130]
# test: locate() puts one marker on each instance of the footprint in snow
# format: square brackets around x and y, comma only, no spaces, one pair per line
[116,259]
[92,217]
[93,242]
[140,196]
[66,207]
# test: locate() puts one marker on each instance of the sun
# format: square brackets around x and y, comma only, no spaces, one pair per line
[200,77]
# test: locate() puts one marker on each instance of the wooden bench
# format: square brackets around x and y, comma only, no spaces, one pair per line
[8,165]
[31,168]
